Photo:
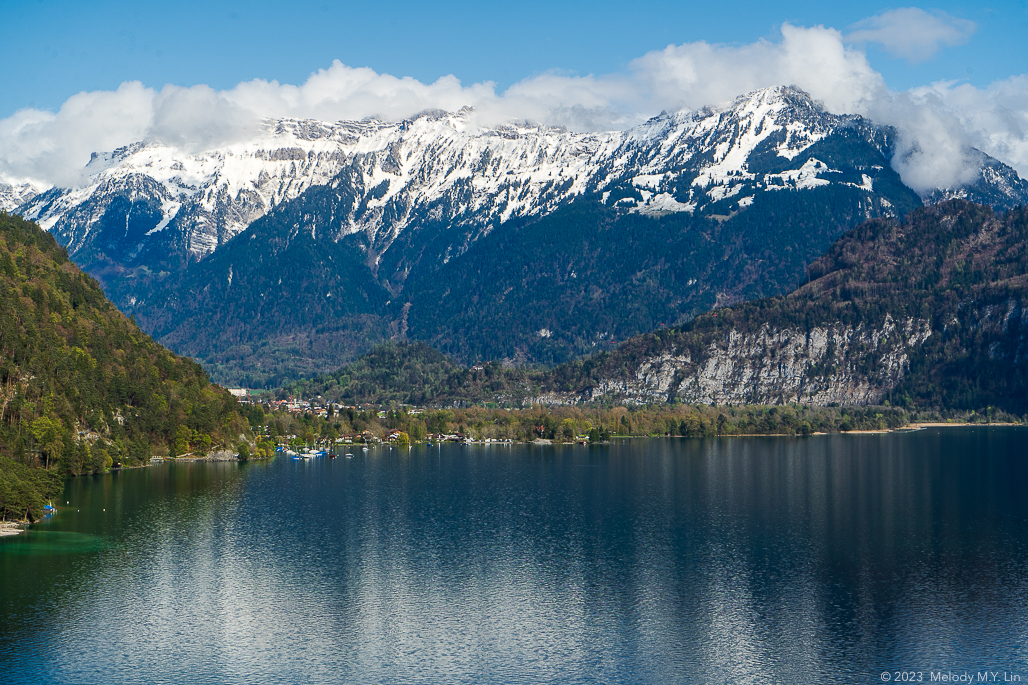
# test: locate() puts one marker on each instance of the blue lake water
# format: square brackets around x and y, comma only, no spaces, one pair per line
[744,560]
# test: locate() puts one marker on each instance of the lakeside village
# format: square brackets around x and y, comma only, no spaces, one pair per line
[319,423]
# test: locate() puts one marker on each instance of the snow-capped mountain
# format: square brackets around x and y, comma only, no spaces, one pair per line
[517,241]
[148,198]
[207,198]
[203,198]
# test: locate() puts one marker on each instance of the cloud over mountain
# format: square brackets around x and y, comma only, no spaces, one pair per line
[936,123]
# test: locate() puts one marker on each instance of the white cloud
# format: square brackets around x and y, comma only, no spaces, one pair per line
[932,148]
[816,59]
[993,119]
[48,148]
[912,33]
[342,92]
[197,118]
[935,123]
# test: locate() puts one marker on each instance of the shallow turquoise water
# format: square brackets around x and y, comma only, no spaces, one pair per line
[746,560]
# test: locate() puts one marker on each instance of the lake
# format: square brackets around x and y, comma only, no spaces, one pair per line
[828,559]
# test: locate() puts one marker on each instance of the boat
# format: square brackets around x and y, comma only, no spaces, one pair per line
[349,456]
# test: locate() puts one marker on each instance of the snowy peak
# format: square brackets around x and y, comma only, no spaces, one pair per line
[724,138]
[696,161]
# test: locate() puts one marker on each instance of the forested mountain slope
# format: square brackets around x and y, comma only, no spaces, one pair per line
[930,311]
[927,313]
[80,385]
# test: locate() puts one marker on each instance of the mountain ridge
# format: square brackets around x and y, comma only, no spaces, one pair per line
[201,200]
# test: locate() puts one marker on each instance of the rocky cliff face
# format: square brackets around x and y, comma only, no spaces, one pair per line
[823,365]
[1005,321]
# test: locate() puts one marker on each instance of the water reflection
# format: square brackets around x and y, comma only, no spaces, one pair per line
[827,559]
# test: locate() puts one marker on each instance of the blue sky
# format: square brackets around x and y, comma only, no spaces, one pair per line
[53,49]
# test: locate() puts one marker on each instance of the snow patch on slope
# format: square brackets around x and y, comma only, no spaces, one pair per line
[804,178]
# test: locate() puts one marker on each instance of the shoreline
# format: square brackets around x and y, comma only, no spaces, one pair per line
[907,428]
[11,528]
[942,424]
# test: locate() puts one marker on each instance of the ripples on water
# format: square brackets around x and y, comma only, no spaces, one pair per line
[754,560]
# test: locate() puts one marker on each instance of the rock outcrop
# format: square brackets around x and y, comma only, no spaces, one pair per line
[833,364]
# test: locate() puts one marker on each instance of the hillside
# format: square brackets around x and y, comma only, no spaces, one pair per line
[81,387]
[416,374]
[927,312]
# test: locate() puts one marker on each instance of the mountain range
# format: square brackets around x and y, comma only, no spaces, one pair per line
[294,250]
